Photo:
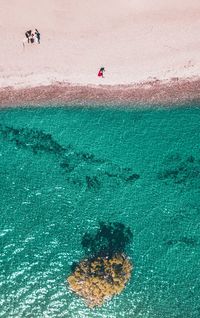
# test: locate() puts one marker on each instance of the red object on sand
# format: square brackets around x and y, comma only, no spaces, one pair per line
[100,74]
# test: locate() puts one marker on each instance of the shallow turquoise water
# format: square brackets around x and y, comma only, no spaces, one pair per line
[64,170]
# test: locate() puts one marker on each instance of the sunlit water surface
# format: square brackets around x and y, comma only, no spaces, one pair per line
[64,170]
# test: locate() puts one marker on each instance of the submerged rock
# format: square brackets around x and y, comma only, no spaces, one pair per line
[100,278]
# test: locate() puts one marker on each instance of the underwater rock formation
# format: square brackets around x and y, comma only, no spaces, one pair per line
[82,169]
[180,170]
[98,279]
[106,269]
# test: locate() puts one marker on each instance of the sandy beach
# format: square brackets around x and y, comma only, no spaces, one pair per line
[150,50]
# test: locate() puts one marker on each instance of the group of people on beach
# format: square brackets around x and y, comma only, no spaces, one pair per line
[32,37]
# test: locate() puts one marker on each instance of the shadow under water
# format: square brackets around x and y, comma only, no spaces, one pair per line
[110,239]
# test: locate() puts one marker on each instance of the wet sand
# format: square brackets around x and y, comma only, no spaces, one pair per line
[173,92]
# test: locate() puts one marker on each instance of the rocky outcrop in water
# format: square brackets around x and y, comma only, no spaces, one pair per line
[101,278]
[106,269]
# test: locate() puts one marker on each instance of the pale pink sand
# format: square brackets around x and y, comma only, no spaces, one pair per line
[135,40]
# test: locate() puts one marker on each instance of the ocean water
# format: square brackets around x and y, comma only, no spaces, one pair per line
[64,170]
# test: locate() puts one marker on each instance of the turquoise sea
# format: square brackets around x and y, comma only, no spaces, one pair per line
[64,170]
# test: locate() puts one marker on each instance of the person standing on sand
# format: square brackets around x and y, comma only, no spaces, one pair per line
[28,34]
[32,39]
[101,71]
[37,34]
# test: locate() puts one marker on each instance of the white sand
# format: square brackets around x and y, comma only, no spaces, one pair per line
[135,40]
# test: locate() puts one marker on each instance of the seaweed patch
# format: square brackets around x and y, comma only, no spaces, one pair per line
[32,139]
[180,170]
[82,169]
[189,241]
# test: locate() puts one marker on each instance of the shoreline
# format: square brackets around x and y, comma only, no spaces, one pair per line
[150,52]
[174,92]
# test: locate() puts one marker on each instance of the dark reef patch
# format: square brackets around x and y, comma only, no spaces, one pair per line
[82,169]
[180,170]
[32,139]
[110,239]
[93,183]
[189,241]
